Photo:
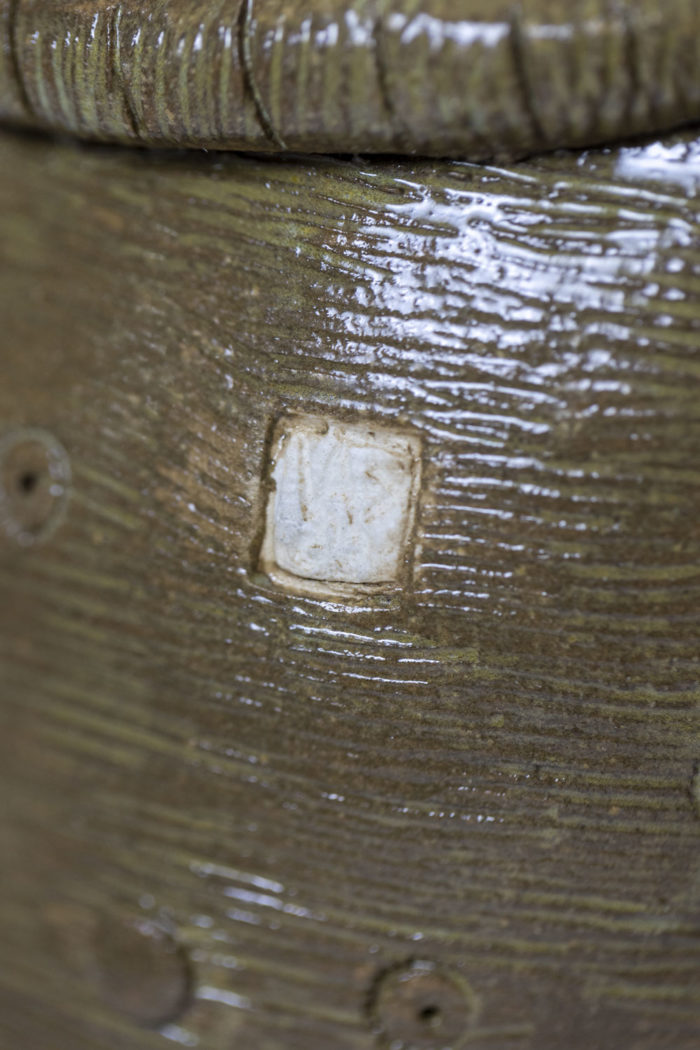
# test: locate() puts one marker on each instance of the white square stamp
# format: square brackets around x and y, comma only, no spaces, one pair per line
[341,512]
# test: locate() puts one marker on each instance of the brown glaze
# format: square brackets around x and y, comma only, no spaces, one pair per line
[488,772]
[141,972]
[469,78]
[416,1007]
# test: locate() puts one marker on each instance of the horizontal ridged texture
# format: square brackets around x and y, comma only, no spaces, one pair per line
[429,77]
[491,772]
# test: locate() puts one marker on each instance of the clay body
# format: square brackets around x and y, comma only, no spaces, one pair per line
[469,795]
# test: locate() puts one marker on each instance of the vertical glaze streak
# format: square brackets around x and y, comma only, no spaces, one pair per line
[245,24]
[432,77]
[14,104]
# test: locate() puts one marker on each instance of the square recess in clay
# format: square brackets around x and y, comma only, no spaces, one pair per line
[341,511]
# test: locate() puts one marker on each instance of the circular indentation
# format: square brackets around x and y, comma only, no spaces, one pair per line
[142,972]
[34,485]
[28,481]
[417,1006]
[430,1015]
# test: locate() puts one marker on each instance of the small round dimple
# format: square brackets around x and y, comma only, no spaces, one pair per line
[28,481]
[418,1006]
[34,485]
[142,972]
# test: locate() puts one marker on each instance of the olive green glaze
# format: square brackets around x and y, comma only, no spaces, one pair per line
[491,773]
[12,106]
[474,78]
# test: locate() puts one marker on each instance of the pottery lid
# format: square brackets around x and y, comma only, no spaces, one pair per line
[478,79]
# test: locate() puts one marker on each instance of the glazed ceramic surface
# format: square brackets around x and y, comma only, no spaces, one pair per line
[349,528]
[457,810]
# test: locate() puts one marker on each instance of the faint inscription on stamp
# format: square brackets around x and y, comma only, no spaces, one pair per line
[341,512]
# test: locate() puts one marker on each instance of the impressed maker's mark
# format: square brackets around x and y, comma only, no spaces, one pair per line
[341,511]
